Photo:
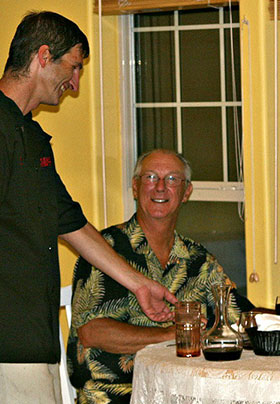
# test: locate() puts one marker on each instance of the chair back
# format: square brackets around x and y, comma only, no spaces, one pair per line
[67,390]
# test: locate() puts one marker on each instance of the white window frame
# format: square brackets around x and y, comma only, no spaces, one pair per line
[203,190]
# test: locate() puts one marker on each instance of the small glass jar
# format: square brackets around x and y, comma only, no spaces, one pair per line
[221,342]
[247,320]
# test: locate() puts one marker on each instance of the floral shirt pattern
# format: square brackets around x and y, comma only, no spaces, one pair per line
[103,377]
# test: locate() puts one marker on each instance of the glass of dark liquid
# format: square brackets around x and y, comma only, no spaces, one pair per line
[277,305]
[188,322]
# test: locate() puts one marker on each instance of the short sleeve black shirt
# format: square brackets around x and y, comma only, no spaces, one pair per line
[35,208]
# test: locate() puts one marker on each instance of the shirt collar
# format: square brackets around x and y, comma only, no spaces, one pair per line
[136,235]
[139,242]
[179,250]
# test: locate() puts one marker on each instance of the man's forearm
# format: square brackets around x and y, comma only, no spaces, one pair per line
[117,337]
[88,242]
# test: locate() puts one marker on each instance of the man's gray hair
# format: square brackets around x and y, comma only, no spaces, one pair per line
[138,165]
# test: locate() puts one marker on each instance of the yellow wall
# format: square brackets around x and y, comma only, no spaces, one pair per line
[259,122]
[75,124]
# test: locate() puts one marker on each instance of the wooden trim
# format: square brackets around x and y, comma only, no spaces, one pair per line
[120,7]
[271,9]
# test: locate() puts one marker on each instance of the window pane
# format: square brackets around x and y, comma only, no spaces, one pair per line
[218,227]
[233,145]
[156,128]
[195,17]
[202,142]
[204,221]
[154,19]
[155,69]
[228,64]
[200,65]
[235,14]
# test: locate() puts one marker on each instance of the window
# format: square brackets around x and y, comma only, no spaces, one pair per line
[181,90]
[185,94]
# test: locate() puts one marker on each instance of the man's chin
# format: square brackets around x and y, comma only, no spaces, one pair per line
[52,102]
[159,215]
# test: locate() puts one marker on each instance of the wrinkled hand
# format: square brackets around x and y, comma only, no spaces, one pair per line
[151,298]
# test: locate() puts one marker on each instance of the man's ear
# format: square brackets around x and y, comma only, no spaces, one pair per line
[44,55]
[187,193]
[135,188]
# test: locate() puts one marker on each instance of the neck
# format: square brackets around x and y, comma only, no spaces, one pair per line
[19,89]
[160,236]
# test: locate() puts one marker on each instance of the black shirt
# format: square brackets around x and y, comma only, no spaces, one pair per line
[35,208]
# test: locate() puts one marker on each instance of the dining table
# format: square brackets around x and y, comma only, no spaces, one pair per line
[160,377]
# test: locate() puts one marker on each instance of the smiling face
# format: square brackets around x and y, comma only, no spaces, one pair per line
[61,75]
[159,201]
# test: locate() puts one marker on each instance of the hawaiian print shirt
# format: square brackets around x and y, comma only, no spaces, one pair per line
[103,377]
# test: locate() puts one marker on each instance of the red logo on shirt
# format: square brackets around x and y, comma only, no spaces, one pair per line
[45,162]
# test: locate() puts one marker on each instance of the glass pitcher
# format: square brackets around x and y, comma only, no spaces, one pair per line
[221,342]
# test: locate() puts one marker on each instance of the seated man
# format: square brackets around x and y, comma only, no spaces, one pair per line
[108,325]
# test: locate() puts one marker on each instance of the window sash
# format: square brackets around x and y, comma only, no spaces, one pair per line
[124,7]
[203,190]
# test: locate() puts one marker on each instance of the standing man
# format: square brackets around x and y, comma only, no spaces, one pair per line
[108,325]
[45,59]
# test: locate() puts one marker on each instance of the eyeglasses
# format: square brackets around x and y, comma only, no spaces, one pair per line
[170,180]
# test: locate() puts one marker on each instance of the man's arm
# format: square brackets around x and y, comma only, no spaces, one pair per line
[89,243]
[117,337]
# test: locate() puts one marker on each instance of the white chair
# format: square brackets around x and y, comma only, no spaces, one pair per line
[67,390]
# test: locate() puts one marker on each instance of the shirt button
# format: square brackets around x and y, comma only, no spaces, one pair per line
[50,248]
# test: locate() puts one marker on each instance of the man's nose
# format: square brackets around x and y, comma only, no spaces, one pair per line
[160,185]
[75,80]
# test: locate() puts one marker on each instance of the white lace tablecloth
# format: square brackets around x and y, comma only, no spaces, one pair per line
[161,378]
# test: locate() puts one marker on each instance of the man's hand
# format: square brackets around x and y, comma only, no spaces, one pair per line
[88,242]
[151,299]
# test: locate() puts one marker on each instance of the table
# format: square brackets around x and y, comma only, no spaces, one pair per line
[162,378]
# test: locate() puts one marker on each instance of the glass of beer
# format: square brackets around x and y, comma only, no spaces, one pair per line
[188,323]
